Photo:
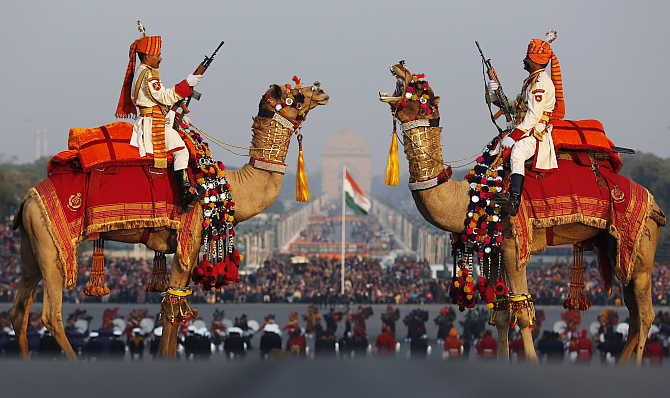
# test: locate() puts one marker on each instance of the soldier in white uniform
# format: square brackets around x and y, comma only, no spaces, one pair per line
[150,100]
[541,102]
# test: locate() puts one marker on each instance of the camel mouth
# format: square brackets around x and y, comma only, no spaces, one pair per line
[399,87]
[323,100]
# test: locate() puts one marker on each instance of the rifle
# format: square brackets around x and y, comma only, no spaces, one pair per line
[499,97]
[184,103]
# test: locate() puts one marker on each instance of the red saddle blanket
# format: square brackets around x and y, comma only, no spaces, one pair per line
[575,194]
[584,135]
[78,204]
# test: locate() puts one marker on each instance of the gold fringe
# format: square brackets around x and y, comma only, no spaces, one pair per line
[393,164]
[595,222]
[301,184]
[162,222]
[186,262]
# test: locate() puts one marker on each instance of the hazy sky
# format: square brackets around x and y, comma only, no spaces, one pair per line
[64,61]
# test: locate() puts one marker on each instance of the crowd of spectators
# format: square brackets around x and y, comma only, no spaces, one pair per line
[406,281]
[319,281]
[549,285]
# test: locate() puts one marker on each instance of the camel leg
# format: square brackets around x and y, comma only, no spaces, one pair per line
[46,255]
[646,314]
[518,284]
[179,278]
[30,277]
[634,323]
[641,282]
[502,326]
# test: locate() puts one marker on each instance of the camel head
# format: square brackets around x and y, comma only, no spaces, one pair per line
[413,97]
[293,102]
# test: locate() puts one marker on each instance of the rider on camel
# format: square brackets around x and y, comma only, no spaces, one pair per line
[541,102]
[153,131]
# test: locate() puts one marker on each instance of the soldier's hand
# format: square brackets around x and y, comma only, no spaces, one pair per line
[492,86]
[193,80]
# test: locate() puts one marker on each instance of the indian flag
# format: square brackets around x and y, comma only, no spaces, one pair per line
[355,197]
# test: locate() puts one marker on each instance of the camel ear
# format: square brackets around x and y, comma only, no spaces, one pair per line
[436,100]
[275,91]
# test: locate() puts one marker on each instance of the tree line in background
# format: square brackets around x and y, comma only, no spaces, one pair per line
[647,169]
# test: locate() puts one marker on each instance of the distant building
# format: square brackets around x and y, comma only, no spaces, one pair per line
[346,148]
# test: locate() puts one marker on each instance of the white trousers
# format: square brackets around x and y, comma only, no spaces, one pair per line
[180,159]
[522,150]
[141,139]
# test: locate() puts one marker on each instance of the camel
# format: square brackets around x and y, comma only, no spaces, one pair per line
[443,203]
[254,187]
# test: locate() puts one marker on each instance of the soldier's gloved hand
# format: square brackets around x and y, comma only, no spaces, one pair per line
[507,142]
[193,80]
[492,86]
[186,121]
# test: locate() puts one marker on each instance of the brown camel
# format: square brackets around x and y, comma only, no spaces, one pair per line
[254,187]
[444,203]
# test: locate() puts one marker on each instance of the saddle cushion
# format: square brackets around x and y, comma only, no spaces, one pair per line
[584,135]
[110,144]
[105,144]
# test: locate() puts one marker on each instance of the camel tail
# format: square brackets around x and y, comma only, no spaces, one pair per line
[657,215]
[19,215]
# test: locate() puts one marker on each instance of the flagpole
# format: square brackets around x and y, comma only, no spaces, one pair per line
[344,209]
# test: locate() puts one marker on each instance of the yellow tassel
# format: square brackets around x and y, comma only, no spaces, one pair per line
[393,164]
[301,185]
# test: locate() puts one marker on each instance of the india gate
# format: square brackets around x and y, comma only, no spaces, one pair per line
[346,148]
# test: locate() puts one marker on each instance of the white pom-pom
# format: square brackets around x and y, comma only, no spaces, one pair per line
[551,35]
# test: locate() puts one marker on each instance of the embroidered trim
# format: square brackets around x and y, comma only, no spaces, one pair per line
[268,166]
[283,121]
[414,124]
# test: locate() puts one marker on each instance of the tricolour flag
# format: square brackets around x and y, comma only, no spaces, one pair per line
[355,197]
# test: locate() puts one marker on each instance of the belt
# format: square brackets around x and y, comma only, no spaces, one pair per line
[147,110]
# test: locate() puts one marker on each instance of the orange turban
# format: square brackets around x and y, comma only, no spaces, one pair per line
[540,52]
[149,45]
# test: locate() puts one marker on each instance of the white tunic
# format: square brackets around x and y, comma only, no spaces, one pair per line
[540,97]
[151,92]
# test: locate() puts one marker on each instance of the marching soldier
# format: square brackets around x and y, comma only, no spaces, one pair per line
[153,132]
[541,102]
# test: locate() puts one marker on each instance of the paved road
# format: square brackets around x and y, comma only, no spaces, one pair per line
[324,379]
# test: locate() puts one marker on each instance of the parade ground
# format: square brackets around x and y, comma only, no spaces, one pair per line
[325,378]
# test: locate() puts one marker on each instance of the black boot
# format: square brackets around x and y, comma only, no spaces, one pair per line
[516,184]
[188,194]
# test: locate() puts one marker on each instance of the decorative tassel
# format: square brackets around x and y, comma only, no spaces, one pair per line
[97,283]
[301,185]
[160,279]
[577,299]
[393,164]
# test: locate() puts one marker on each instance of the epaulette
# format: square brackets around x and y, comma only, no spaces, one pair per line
[155,74]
